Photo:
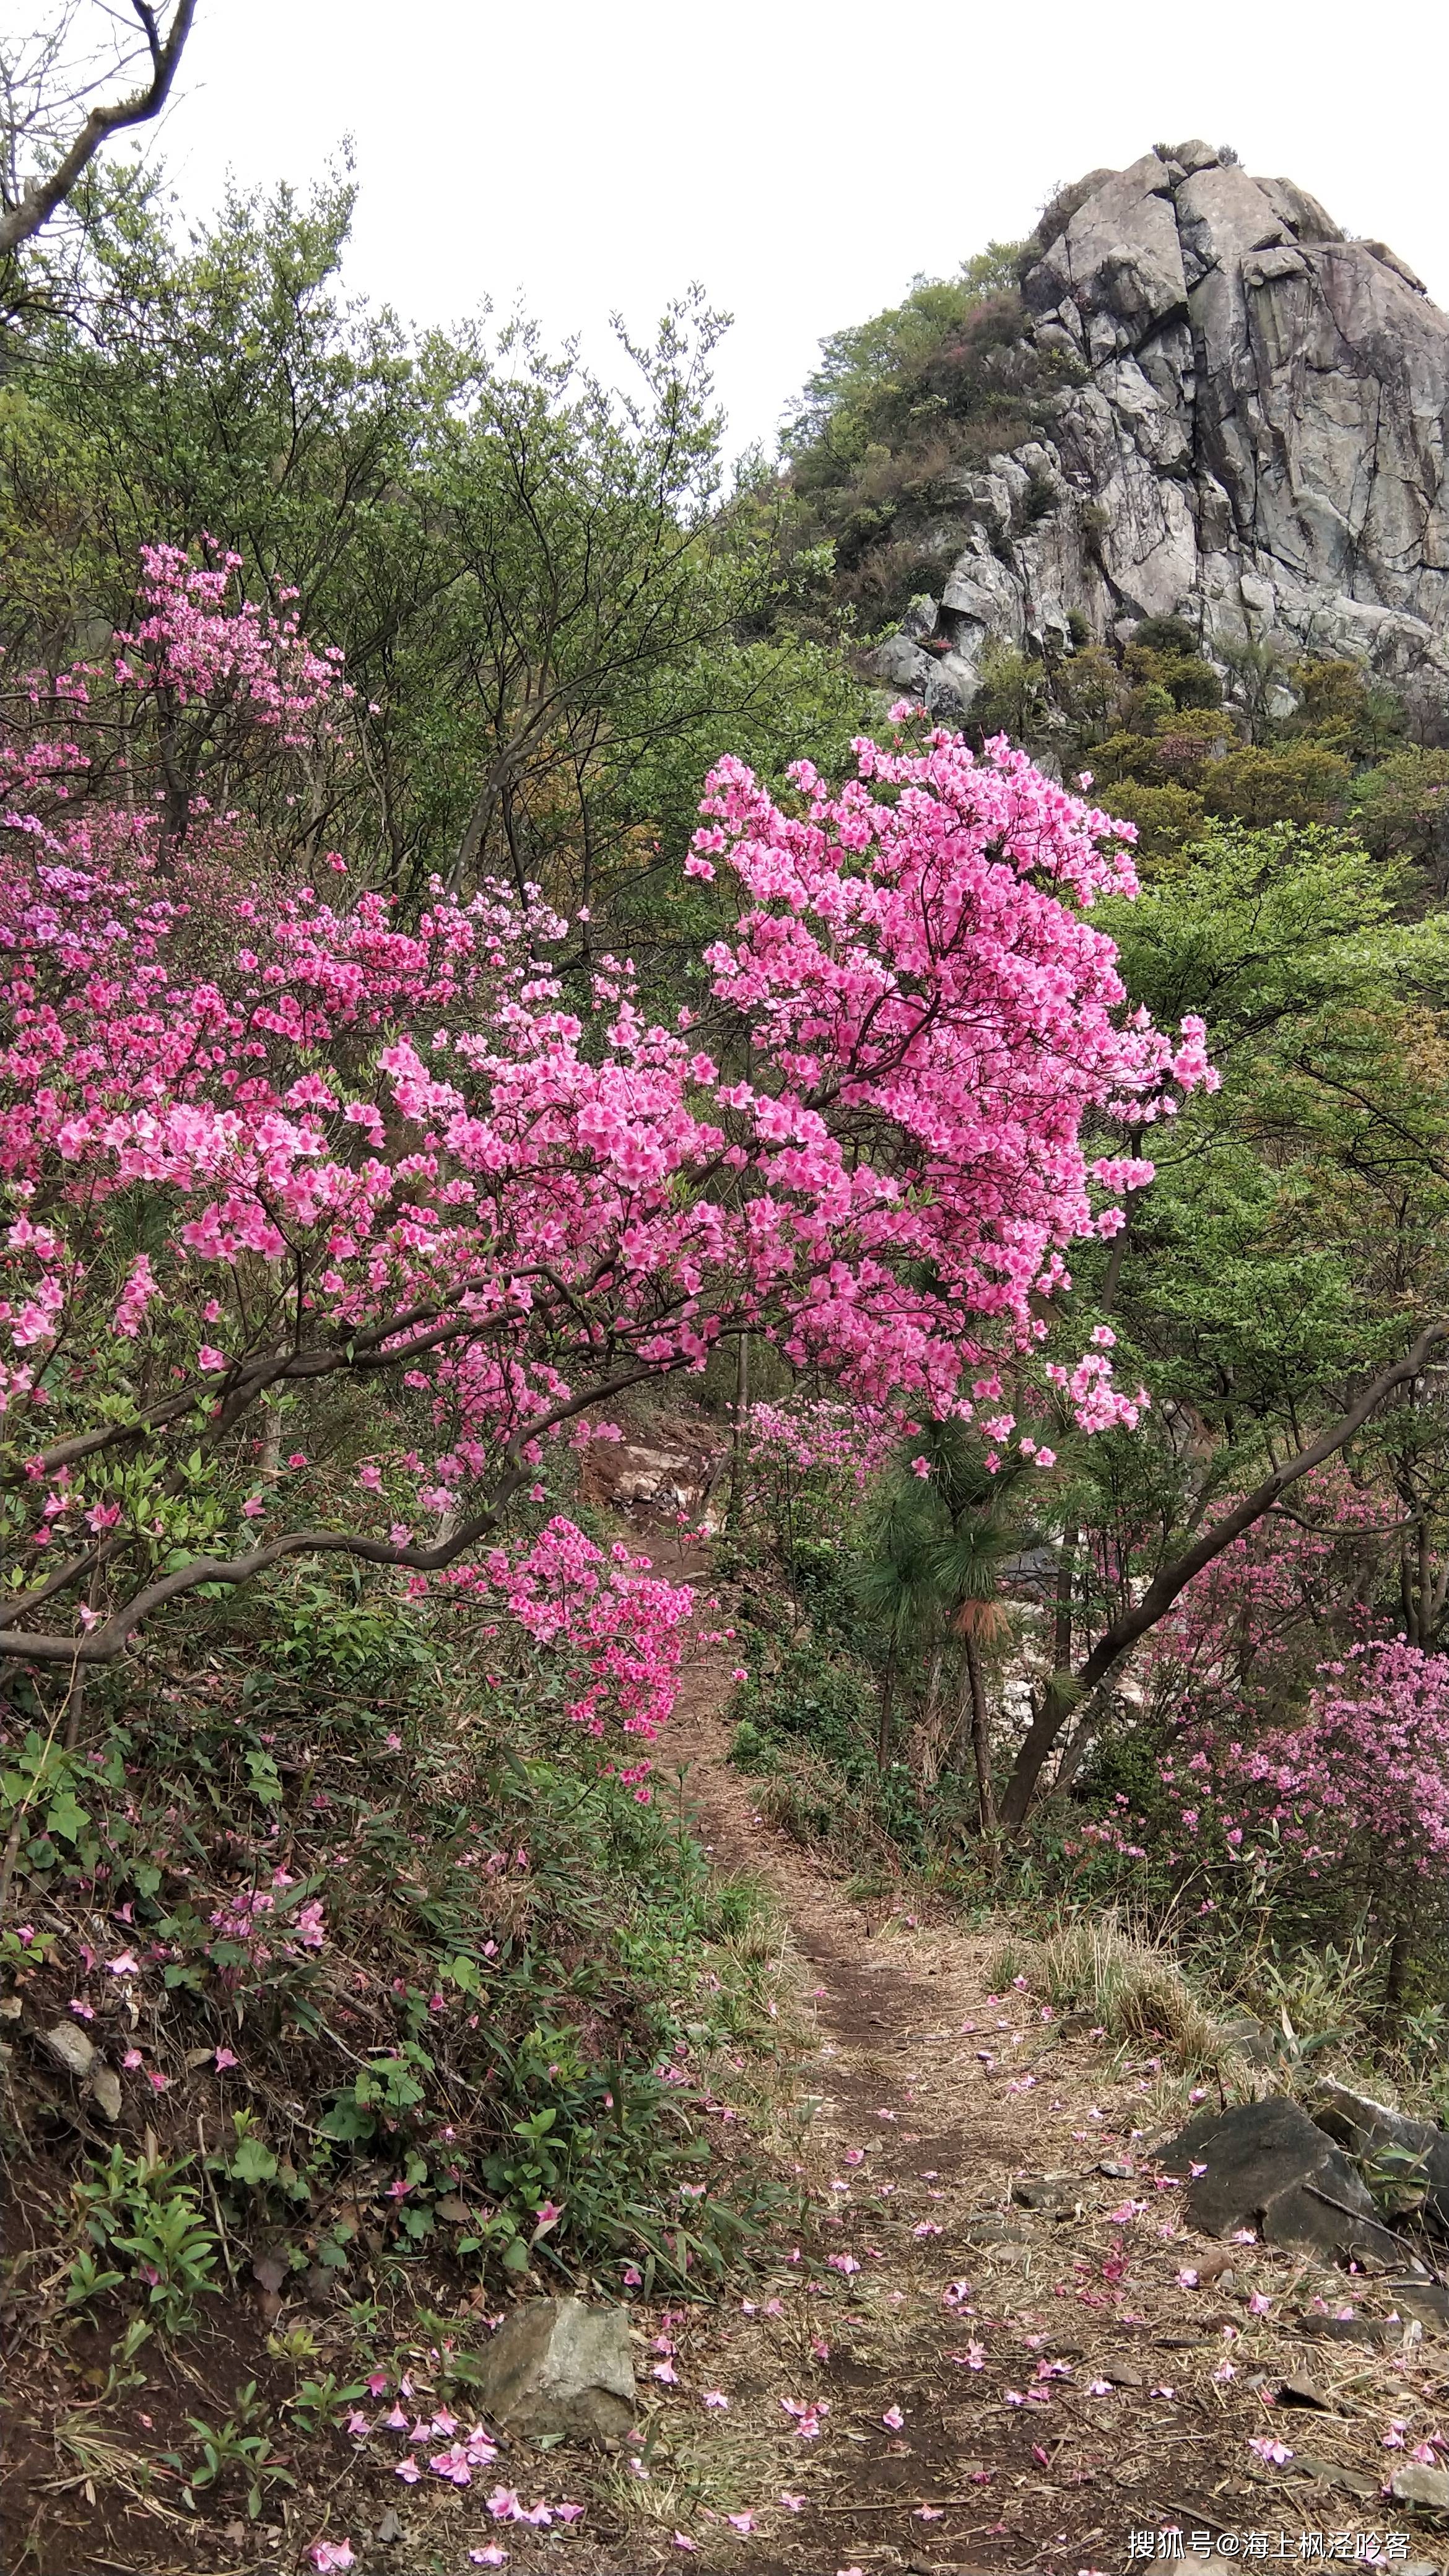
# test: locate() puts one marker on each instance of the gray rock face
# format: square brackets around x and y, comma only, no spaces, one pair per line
[1256,441]
[558,2366]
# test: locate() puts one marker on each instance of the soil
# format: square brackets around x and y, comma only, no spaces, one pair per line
[995,2386]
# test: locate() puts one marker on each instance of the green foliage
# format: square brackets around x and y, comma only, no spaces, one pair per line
[495,1979]
[550,627]
[138,2213]
[899,407]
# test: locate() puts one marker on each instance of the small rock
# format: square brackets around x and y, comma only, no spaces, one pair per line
[1120,2374]
[69,2049]
[1426,2300]
[985,2227]
[11,2007]
[1115,2170]
[105,2091]
[196,2057]
[1044,2191]
[1416,2484]
[390,2527]
[1250,2041]
[1298,2391]
[558,2366]
[1329,2473]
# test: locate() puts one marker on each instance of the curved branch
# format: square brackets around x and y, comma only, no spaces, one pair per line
[106,1643]
[1065,1691]
[21,222]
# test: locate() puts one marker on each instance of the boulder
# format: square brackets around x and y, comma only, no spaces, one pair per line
[1226,362]
[1267,2165]
[559,2367]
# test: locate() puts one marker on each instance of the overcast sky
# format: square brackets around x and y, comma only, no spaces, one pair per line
[802,158]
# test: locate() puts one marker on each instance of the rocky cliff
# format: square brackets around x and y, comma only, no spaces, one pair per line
[1252,436]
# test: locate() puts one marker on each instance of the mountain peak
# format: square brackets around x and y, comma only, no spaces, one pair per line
[1250,434]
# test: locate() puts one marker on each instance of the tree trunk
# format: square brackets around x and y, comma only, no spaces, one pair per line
[980,1735]
[1401,1961]
[742,1407]
[929,1734]
[1062,1606]
[1064,1690]
[887,1710]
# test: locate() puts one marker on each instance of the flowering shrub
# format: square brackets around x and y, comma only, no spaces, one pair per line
[393,1157]
[616,1629]
[1363,1776]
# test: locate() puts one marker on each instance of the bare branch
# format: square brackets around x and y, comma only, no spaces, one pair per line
[33,210]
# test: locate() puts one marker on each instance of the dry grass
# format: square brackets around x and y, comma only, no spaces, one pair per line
[1134,1991]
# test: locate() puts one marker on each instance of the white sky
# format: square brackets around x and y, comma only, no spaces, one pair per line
[802,158]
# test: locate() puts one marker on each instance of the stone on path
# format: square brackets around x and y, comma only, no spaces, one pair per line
[1267,2165]
[558,2366]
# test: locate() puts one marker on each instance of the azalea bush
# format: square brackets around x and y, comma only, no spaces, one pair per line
[271,1152]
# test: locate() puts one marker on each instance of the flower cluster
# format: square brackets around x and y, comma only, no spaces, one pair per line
[396,1153]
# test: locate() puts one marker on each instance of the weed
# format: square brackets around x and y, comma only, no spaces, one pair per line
[134,2208]
[238,2448]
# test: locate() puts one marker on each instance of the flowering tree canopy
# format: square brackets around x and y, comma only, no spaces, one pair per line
[260,1145]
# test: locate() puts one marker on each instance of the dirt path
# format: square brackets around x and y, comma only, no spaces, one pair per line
[1059,2388]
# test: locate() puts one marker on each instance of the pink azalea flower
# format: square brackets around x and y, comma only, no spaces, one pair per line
[716,2398]
[327,2554]
[893,2419]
